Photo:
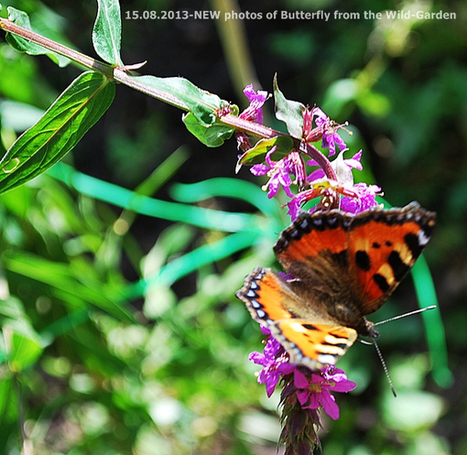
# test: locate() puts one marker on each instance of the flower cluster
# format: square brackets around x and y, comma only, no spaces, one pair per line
[305,174]
[303,167]
[312,390]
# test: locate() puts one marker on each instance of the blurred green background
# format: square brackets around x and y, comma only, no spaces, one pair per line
[121,332]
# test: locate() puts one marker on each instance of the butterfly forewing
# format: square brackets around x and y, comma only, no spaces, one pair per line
[311,236]
[383,247]
[312,339]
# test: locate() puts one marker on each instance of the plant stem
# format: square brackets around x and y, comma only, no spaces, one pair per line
[120,74]
[78,57]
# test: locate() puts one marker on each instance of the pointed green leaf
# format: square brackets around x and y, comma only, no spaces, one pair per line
[210,135]
[23,45]
[203,105]
[107,31]
[72,114]
[289,112]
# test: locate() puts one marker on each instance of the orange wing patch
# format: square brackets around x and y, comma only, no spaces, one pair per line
[382,252]
[313,344]
[310,235]
[264,296]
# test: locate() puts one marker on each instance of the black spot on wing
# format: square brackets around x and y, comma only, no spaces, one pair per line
[363,260]
[411,240]
[381,282]
[310,327]
[342,346]
[399,268]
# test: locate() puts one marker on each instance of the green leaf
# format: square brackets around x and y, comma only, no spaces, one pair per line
[77,280]
[23,45]
[210,135]
[11,308]
[121,197]
[255,155]
[289,112]
[72,114]
[203,105]
[106,34]
[8,400]
[24,345]
[227,187]
[415,410]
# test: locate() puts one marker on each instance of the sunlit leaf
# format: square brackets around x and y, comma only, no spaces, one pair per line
[106,34]
[23,344]
[290,112]
[74,112]
[413,410]
[203,105]
[256,154]
[210,135]
[23,45]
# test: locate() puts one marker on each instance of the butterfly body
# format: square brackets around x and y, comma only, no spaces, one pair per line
[339,268]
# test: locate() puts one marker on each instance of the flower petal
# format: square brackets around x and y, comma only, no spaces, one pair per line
[303,396]
[329,405]
[300,380]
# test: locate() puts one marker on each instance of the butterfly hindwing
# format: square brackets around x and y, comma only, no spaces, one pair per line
[313,344]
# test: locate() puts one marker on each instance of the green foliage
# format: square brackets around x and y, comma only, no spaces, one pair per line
[283,144]
[288,111]
[213,135]
[24,45]
[106,34]
[201,104]
[76,110]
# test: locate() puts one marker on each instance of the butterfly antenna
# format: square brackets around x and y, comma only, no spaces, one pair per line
[410,313]
[385,368]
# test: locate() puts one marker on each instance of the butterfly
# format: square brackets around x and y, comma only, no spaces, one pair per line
[339,268]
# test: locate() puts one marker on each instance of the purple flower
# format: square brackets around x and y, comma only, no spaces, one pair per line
[342,172]
[254,111]
[329,128]
[312,390]
[279,172]
[316,391]
[355,197]
[365,199]
[275,363]
[295,204]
